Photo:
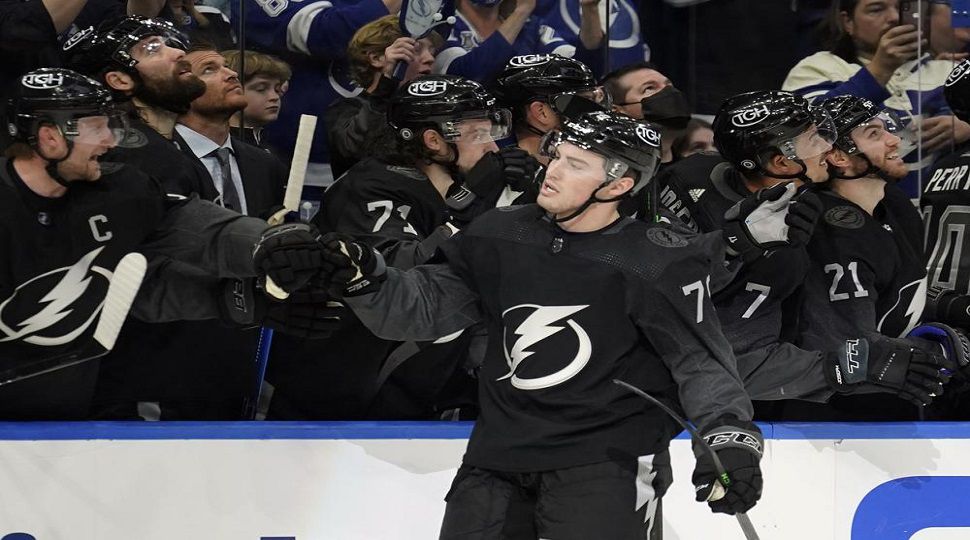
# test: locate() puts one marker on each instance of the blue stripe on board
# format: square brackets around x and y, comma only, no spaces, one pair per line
[14,431]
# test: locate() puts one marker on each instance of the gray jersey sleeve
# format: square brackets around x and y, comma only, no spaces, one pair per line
[783,371]
[204,235]
[421,304]
[677,316]
[173,291]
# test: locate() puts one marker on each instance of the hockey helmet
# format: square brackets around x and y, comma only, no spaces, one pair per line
[751,128]
[93,51]
[850,112]
[957,90]
[624,142]
[543,77]
[445,103]
[59,97]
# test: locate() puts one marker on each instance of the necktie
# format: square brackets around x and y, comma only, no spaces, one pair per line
[230,197]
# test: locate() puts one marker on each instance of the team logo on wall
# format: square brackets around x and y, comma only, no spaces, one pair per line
[427,88]
[958,73]
[56,307]
[750,117]
[545,347]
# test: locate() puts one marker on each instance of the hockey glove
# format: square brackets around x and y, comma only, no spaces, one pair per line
[510,166]
[352,268]
[738,444]
[955,345]
[913,368]
[770,218]
[947,307]
[290,254]
[307,313]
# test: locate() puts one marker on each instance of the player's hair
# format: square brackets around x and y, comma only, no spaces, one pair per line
[611,81]
[19,150]
[836,39]
[372,38]
[257,65]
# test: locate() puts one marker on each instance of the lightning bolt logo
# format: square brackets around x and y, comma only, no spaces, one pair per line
[59,300]
[537,327]
[915,293]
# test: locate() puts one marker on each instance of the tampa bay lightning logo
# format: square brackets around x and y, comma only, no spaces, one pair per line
[906,312]
[624,21]
[338,75]
[532,327]
[60,304]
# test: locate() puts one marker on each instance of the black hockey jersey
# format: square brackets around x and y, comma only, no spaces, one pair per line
[868,273]
[945,207]
[567,313]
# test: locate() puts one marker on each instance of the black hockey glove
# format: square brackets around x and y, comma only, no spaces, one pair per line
[510,166]
[739,446]
[913,368]
[307,313]
[290,254]
[770,218]
[947,307]
[352,268]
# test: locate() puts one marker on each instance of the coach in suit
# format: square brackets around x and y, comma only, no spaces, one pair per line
[201,370]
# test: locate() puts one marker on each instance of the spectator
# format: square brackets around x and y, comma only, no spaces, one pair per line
[626,39]
[264,81]
[490,32]
[698,137]
[200,23]
[872,56]
[374,52]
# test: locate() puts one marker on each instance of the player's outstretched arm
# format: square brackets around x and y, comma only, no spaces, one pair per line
[422,304]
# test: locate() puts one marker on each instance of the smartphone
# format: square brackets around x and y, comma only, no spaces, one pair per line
[916,13]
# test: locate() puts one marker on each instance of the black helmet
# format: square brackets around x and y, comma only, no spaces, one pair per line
[541,77]
[751,128]
[93,51]
[957,90]
[849,112]
[626,143]
[441,102]
[54,96]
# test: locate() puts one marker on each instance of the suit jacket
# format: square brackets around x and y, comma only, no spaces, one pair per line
[263,175]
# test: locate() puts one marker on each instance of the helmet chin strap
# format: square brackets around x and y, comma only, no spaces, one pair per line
[870,169]
[589,202]
[800,175]
[52,163]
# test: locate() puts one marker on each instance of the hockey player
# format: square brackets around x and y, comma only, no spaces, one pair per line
[573,295]
[68,218]
[142,61]
[312,37]
[488,33]
[867,277]
[437,168]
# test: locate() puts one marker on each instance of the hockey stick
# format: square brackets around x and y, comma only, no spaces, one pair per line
[418,18]
[291,205]
[125,282]
[724,480]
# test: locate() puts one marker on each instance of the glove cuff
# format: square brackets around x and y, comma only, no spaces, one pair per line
[729,432]
[373,270]
[239,304]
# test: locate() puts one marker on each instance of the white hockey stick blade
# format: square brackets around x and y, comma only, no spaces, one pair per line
[122,290]
[301,156]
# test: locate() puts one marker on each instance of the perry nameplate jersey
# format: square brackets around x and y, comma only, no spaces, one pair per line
[626,41]
[59,254]
[757,306]
[465,53]
[390,208]
[867,273]
[312,36]
[946,213]
[628,302]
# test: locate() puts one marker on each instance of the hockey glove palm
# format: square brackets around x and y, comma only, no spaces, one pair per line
[352,268]
[289,254]
[770,218]
[913,368]
[738,444]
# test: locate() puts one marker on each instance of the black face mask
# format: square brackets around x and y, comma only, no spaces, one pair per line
[668,108]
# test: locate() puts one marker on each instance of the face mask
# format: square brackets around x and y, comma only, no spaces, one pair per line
[668,107]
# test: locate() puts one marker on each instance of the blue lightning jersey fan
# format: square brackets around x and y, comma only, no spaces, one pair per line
[312,37]
[468,55]
[626,43]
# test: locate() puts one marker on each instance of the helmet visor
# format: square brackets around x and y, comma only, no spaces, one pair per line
[871,134]
[596,94]
[480,128]
[97,134]
[549,147]
[815,141]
